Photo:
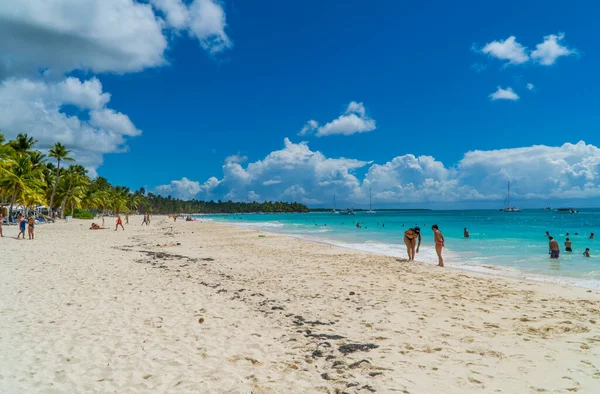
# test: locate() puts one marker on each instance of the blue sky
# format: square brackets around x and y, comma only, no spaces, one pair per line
[236,78]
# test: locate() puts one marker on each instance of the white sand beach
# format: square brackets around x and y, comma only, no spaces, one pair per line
[111,312]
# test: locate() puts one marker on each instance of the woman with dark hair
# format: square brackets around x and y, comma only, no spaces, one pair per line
[438,238]
[410,240]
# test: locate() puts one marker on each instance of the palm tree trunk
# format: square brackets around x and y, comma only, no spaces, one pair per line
[54,188]
[62,207]
[12,202]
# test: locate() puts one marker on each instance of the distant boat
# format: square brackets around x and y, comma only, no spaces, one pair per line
[508,208]
[547,209]
[370,211]
[334,211]
[348,212]
[567,210]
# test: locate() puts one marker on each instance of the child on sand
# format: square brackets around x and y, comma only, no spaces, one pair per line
[119,223]
[438,238]
[30,227]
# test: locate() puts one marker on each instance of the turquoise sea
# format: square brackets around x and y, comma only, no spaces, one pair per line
[510,244]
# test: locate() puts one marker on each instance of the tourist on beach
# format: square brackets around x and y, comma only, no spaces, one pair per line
[568,245]
[587,252]
[126,218]
[1,219]
[438,239]
[592,236]
[22,222]
[554,249]
[174,217]
[410,240]
[466,233]
[145,221]
[119,223]
[30,227]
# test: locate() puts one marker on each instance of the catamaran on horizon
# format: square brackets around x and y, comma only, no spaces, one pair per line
[508,208]
[370,211]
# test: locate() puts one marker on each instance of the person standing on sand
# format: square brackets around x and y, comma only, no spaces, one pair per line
[126,218]
[554,249]
[174,217]
[587,252]
[145,221]
[30,227]
[22,222]
[568,245]
[466,233]
[438,239]
[119,223]
[1,219]
[410,240]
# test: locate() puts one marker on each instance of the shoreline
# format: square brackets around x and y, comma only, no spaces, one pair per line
[103,311]
[453,263]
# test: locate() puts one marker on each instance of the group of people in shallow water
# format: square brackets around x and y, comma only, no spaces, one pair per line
[24,223]
[555,248]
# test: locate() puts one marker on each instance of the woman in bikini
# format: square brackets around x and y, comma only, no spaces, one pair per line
[438,238]
[30,227]
[119,223]
[410,240]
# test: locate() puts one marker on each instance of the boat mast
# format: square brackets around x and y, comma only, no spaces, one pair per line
[370,200]
[509,194]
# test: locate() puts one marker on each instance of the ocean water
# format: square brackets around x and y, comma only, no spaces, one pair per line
[509,244]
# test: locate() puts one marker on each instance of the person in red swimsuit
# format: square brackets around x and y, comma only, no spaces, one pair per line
[439,240]
[119,223]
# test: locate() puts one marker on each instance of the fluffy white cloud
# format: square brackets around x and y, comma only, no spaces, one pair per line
[508,49]
[36,108]
[551,49]
[309,127]
[183,188]
[504,94]
[530,86]
[354,120]
[295,173]
[100,35]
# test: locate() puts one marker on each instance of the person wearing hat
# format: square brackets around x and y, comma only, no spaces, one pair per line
[410,240]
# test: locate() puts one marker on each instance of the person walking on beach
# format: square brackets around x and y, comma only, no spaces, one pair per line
[22,222]
[410,240]
[1,219]
[126,218]
[145,221]
[30,227]
[554,249]
[568,245]
[438,239]
[587,252]
[119,223]
[466,233]
[174,217]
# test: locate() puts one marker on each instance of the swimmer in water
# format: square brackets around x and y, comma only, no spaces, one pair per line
[568,245]
[587,252]
[466,233]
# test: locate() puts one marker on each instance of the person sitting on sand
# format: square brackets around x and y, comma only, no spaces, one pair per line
[592,236]
[119,223]
[587,252]
[554,249]
[410,240]
[22,222]
[568,245]
[466,233]
[30,227]
[94,226]
[438,239]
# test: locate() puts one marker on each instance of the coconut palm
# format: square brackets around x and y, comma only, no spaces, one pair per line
[73,187]
[23,143]
[23,182]
[60,153]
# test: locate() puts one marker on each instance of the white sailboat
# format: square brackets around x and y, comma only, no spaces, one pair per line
[508,208]
[334,211]
[370,211]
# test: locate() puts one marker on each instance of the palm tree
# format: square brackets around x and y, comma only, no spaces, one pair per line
[73,187]
[23,143]
[23,182]
[60,153]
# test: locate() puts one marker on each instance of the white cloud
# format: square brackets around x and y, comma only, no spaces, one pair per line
[36,108]
[295,173]
[550,49]
[236,159]
[354,120]
[508,49]
[119,36]
[309,127]
[504,94]
[183,188]
[530,86]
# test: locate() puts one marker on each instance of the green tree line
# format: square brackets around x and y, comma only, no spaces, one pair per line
[30,178]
